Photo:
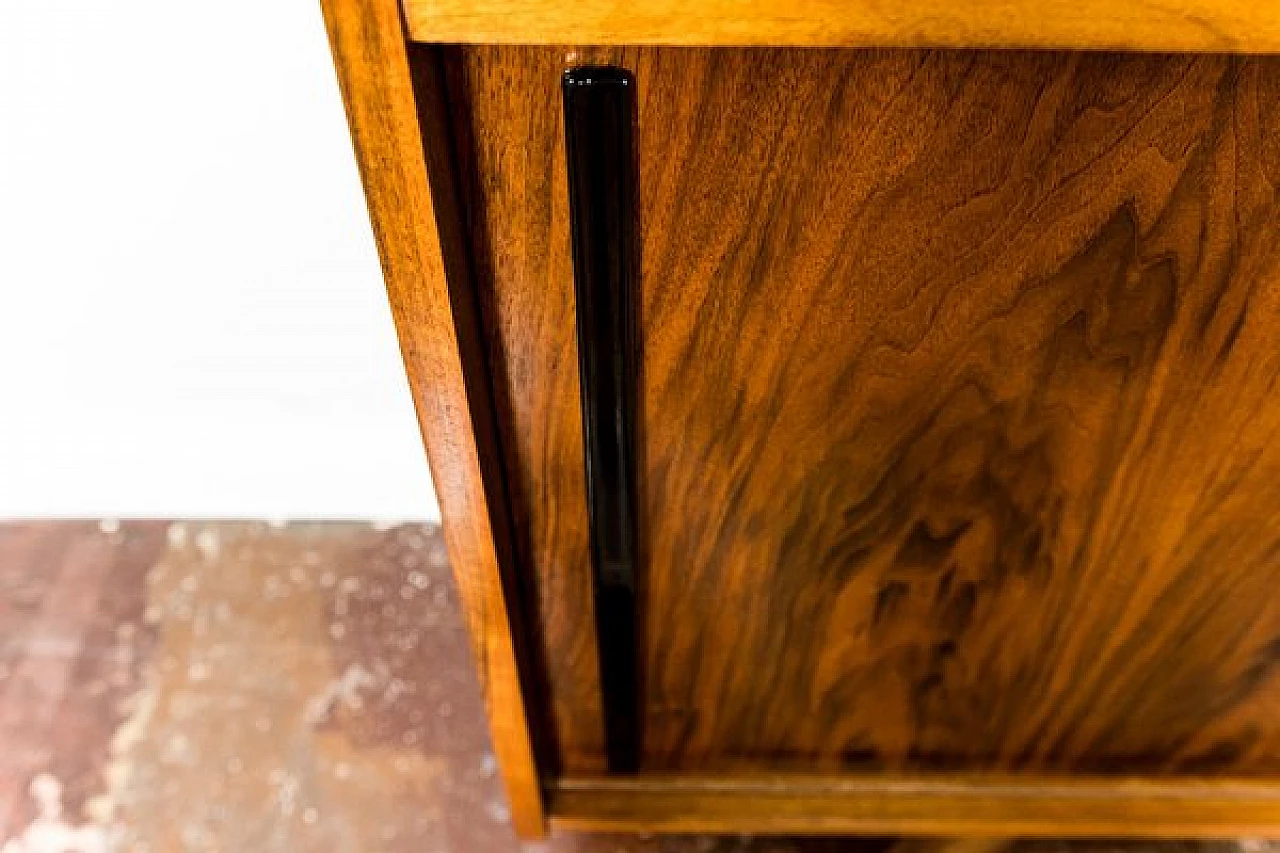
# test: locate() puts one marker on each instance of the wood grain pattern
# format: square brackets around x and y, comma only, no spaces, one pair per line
[1167,25]
[399,126]
[519,223]
[965,806]
[958,405]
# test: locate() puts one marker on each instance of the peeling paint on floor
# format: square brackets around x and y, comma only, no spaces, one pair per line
[270,688]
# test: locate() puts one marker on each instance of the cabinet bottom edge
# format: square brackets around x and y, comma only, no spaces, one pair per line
[953,805]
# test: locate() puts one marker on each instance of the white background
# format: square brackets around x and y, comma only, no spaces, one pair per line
[192,319]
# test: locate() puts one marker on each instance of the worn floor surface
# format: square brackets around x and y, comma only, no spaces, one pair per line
[240,687]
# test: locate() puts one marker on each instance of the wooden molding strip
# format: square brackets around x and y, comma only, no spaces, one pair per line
[400,130]
[995,806]
[1231,26]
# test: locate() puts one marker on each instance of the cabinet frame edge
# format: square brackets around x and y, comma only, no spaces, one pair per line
[991,806]
[398,117]
[1192,26]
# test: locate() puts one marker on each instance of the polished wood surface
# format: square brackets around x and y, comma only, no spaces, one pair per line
[964,806]
[1167,25]
[399,128]
[958,407]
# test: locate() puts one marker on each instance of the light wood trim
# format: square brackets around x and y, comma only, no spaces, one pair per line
[1235,26]
[398,125]
[990,806]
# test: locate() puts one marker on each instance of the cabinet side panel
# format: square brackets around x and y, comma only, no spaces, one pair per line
[401,135]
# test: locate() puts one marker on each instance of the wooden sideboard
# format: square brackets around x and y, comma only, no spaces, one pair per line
[848,416]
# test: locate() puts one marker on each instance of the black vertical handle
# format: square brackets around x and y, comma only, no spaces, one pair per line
[599,104]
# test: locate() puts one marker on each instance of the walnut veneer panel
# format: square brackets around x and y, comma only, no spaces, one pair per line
[959,403]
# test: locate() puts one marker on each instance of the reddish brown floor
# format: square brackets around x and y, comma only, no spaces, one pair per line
[252,689]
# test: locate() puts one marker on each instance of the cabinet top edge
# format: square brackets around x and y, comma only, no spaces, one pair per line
[1194,26]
